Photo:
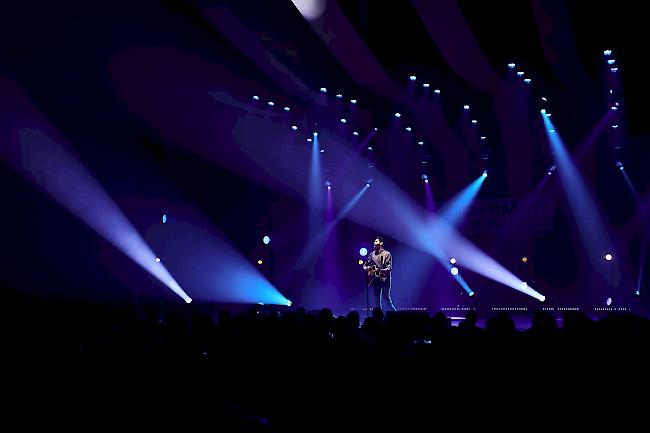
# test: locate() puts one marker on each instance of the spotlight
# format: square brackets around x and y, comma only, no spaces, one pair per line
[425,178]
[289,303]
[363,252]
[256,98]
[355,133]
[322,151]
[543,111]
[527,80]
[375,129]
[408,129]
[323,89]
[260,261]
[483,137]
[524,259]
[611,61]
[454,270]
[266,240]
[271,103]
[360,262]
[520,74]
[614,108]
[437,91]
[309,140]
[344,120]
[511,65]
[608,301]
[614,69]
[413,78]
[607,53]
[315,133]
[619,164]
[551,130]
[608,257]
[398,115]
[452,260]
[294,127]
[466,107]
[420,143]
[188,300]
[614,126]
[368,183]
[164,219]
[485,173]
[328,185]
[474,121]
[353,101]
[339,96]
[157,259]
[287,109]
[426,85]
[369,148]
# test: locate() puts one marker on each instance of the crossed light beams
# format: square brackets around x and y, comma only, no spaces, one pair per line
[70,184]
[590,226]
[452,244]
[43,161]
[49,165]
[404,220]
[205,261]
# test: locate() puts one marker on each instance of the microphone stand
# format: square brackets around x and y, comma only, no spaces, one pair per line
[368,299]
[368,260]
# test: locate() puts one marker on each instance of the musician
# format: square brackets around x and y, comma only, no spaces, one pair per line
[379,266]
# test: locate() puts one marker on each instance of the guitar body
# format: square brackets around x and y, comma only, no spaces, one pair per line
[375,275]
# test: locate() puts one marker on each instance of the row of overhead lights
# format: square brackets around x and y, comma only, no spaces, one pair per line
[611,62]
[424,85]
[354,101]
[519,73]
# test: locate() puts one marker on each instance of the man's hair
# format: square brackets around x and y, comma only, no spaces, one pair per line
[380,239]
